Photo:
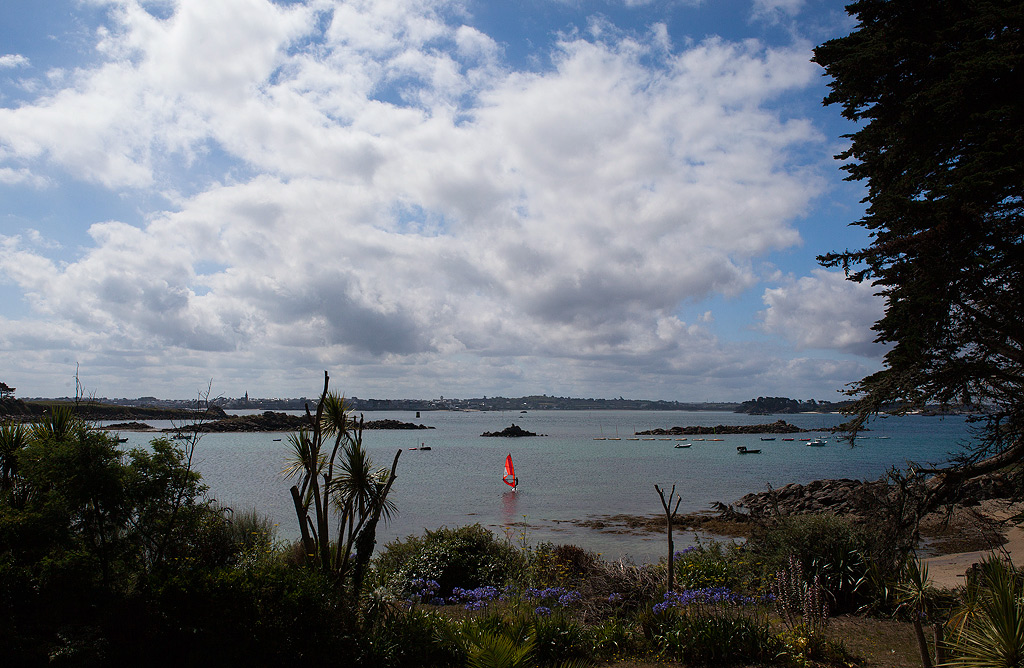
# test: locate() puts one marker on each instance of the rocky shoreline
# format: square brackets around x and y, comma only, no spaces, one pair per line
[856,498]
[968,525]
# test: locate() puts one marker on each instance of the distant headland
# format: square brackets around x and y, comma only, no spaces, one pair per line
[152,408]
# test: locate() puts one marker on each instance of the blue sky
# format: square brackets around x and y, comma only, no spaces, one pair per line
[589,198]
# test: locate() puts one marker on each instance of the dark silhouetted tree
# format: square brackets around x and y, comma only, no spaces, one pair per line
[936,88]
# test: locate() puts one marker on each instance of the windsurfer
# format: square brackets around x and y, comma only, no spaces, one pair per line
[510,478]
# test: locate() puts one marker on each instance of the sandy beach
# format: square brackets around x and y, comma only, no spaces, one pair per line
[949,570]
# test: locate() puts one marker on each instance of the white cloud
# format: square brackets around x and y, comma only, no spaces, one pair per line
[825,311]
[388,192]
[10,177]
[12,60]
[775,10]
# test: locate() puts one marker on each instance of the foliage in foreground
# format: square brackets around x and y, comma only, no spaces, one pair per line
[988,629]
[111,557]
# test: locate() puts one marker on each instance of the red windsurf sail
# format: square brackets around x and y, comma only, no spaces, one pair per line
[510,472]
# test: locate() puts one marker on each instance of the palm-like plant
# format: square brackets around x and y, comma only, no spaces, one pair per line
[990,628]
[341,483]
[13,438]
[58,424]
[916,593]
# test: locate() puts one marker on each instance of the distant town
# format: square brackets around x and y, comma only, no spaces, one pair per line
[761,405]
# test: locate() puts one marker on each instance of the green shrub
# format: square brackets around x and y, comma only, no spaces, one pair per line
[706,565]
[830,548]
[467,557]
[514,636]
[717,640]
[558,638]
[616,639]
[406,637]
[270,615]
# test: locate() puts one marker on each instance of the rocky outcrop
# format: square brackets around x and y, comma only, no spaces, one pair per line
[510,432]
[393,424]
[857,498]
[274,421]
[842,497]
[777,427]
[129,426]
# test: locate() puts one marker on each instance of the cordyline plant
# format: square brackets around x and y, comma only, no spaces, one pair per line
[337,481]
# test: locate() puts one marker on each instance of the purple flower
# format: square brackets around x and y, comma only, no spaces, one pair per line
[713,595]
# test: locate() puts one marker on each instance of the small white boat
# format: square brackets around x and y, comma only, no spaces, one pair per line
[682,445]
[744,450]
[817,443]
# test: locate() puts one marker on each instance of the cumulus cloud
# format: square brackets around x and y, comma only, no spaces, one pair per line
[12,60]
[364,180]
[22,176]
[825,311]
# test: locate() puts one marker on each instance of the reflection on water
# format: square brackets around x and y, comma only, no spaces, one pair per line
[510,507]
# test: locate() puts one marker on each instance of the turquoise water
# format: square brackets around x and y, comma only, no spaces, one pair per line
[568,475]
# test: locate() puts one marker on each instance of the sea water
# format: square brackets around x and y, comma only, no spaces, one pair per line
[569,473]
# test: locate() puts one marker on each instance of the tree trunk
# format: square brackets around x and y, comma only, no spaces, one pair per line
[670,513]
[307,541]
[922,644]
[671,554]
[940,650]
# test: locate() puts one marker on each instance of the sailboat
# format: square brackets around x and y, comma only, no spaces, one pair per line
[510,473]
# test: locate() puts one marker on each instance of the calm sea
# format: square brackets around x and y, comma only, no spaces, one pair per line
[566,474]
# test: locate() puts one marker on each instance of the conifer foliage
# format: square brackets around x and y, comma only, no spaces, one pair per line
[936,90]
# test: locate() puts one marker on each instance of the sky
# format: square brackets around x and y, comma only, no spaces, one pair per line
[587,198]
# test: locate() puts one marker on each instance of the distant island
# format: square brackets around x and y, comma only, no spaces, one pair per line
[510,432]
[785,405]
[263,422]
[779,427]
[271,421]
